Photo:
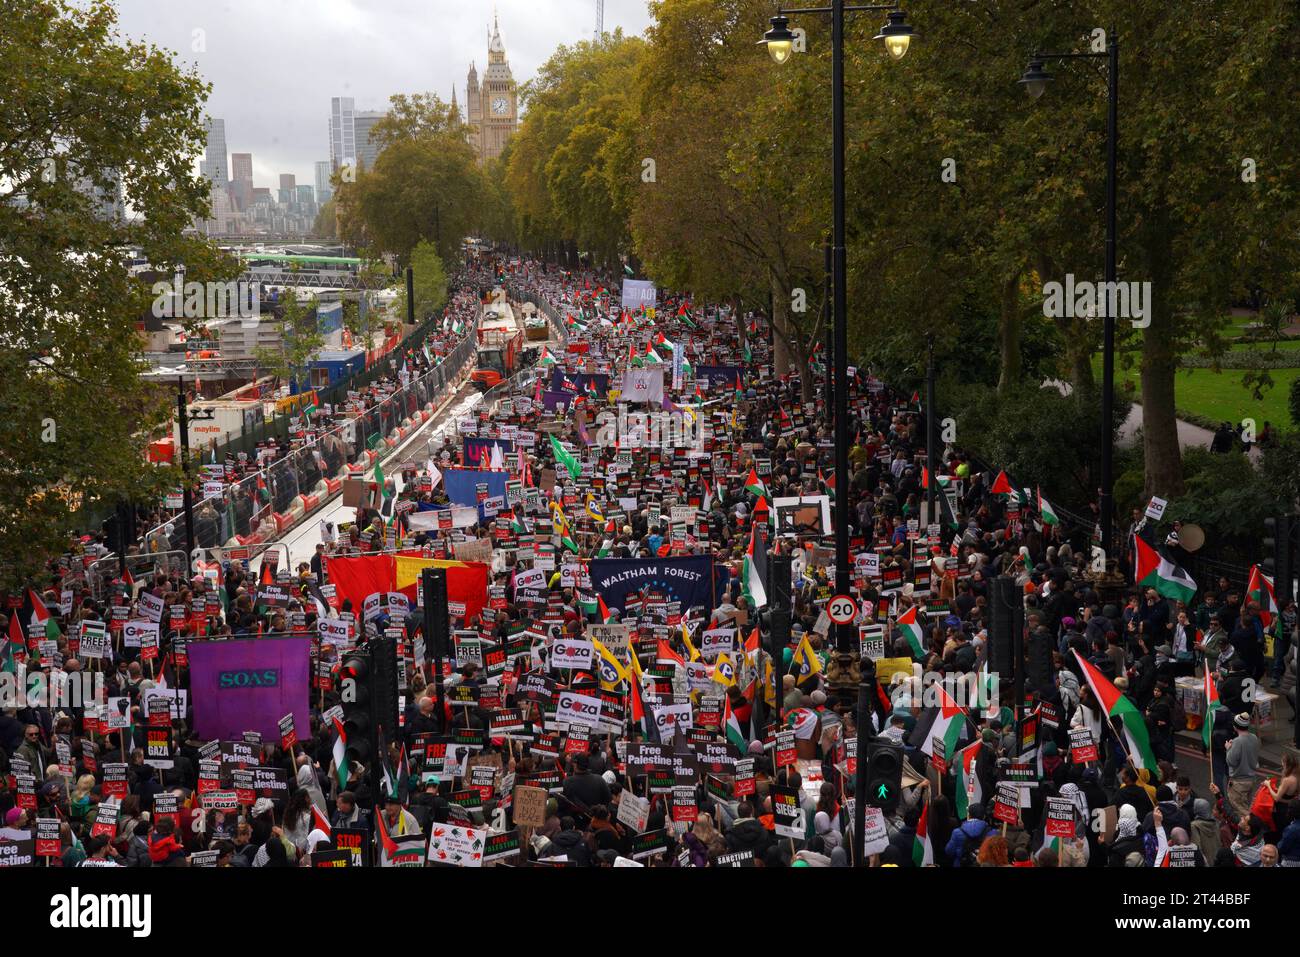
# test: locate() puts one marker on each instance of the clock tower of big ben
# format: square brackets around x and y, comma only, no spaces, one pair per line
[493,105]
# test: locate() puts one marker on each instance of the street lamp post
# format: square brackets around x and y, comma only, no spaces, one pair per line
[1035,80]
[897,36]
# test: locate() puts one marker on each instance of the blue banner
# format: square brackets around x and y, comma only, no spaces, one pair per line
[478,452]
[688,580]
[462,485]
[580,379]
[719,376]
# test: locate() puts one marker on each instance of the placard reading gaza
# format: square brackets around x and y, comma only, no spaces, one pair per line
[577,708]
[572,653]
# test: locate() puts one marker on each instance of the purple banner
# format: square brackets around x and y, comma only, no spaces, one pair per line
[556,400]
[249,684]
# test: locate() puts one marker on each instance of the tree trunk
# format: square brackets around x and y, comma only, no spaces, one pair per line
[1079,343]
[780,327]
[1009,322]
[742,334]
[1164,459]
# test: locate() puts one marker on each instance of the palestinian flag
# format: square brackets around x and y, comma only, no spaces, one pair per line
[566,458]
[754,484]
[754,578]
[15,644]
[946,514]
[731,727]
[342,770]
[637,710]
[665,655]
[1259,589]
[911,629]
[546,359]
[949,720]
[1212,704]
[969,790]
[319,821]
[1155,571]
[1002,485]
[922,849]
[1046,512]
[263,490]
[1117,706]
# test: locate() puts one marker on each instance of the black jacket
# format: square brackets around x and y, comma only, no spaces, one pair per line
[748,834]
[573,845]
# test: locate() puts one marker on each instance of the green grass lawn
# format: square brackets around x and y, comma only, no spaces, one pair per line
[1219,395]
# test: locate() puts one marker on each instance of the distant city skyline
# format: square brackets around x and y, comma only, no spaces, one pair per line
[273,89]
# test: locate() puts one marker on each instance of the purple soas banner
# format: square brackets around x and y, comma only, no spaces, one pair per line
[249,684]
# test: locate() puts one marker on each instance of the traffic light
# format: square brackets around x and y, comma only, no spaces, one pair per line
[884,774]
[1277,543]
[356,688]
[1038,663]
[1002,626]
[384,687]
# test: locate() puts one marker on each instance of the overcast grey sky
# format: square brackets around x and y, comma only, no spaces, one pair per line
[274,64]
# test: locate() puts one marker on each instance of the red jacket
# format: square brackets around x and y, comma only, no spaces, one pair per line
[162,848]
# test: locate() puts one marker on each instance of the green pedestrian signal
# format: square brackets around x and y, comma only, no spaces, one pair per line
[884,773]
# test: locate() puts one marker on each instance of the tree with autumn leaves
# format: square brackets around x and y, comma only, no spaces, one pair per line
[965,196]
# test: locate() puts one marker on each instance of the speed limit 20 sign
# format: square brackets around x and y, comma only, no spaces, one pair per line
[842,609]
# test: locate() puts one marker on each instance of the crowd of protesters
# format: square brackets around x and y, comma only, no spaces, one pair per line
[1127,804]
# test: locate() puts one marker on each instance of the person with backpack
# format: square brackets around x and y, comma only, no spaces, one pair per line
[964,844]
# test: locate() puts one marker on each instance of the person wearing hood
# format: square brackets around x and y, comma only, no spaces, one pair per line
[1205,829]
[1127,841]
[972,831]
[571,843]
[1176,840]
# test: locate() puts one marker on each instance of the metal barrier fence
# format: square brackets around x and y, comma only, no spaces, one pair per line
[104,571]
[264,505]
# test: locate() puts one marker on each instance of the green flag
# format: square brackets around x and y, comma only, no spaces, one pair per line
[567,459]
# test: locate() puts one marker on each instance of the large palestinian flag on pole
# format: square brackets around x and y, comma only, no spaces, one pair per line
[949,720]
[911,630]
[1212,704]
[1155,571]
[1116,705]
[969,790]
[754,581]
[922,849]
[1259,589]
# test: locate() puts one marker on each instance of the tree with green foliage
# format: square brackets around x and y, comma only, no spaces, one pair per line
[86,113]
[429,281]
[426,183]
[571,164]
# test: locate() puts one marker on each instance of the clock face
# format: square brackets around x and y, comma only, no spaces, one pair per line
[499,106]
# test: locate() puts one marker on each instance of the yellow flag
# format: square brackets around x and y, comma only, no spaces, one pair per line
[724,672]
[686,637]
[807,660]
[610,669]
